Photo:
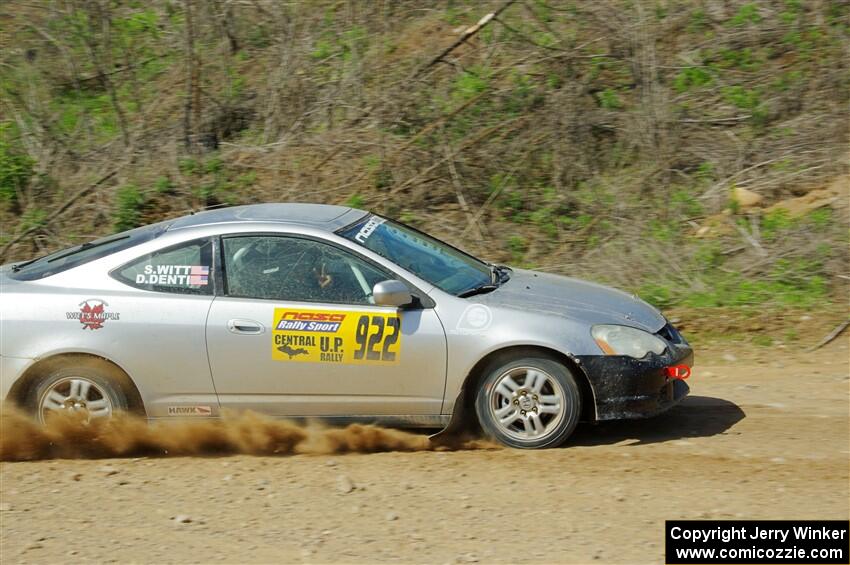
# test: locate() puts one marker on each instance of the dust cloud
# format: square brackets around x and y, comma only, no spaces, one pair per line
[69,436]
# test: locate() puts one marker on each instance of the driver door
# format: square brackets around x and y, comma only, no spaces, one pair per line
[296,333]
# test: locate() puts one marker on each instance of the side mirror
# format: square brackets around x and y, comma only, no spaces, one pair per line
[391,293]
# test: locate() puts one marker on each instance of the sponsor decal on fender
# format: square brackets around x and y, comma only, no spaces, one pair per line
[322,336]
[190,411]
[93,314]
[174,275]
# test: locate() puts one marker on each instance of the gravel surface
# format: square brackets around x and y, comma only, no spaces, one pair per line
[764,434]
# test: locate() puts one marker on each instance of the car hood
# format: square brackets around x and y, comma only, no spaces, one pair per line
[573,298]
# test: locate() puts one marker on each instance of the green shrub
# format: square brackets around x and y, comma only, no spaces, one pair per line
[408,217]
[742,59]
[763,340]
[259,37]
[544,218]
[663,230]
[322,50]
[163,185]
[372,162]
[187,166]
[790,283]
[246,180]
[692,77]
[659,295]
[609,99]
[705,171]
[355,201]
[73,107]
[746,99]
[382,178]
[354,42]
[686,202]
[774,222]
[741,97]
[129,203]
[518,247]
[522,95]
[204,192]
[786,80]
[747,14]
[213,165]
[16,169]
[470,83]
[820,219]
[698,21]
[33,218]
[708,256]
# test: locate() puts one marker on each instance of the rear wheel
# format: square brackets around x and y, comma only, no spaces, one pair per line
[530,402]
[89,386]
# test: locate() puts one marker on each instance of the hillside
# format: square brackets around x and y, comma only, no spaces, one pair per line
[662,146]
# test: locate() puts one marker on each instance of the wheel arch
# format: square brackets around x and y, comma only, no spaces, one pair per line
[463,414]
[23,386]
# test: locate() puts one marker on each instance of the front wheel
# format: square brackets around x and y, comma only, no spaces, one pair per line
[530,402]
[88,386]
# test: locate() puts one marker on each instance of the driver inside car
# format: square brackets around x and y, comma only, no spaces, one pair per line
[324,275]
[301,270]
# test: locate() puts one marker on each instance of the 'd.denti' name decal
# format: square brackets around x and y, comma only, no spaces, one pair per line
[174,275]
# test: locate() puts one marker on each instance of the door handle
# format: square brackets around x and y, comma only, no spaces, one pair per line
[240,326]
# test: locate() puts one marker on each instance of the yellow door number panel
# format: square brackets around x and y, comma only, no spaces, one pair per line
[328,336]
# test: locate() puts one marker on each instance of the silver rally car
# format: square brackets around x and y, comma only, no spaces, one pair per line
[305,310]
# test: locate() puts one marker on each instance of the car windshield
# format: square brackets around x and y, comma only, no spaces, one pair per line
[438,263]
[71,257]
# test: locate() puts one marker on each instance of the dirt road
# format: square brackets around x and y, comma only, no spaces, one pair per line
[764,434]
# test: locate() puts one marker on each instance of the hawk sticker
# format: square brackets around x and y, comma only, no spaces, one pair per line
[338,337]
[92,314]
[190,411]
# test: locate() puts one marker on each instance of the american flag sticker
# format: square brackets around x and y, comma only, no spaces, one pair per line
[199,276]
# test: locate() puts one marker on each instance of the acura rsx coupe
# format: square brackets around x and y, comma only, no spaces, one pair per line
[305,310]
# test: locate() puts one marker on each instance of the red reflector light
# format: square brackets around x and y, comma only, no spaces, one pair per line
[678,372]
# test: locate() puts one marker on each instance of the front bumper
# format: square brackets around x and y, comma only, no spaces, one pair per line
[628,388]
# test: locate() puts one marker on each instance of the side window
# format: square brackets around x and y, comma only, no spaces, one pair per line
[290,268]
[181,269]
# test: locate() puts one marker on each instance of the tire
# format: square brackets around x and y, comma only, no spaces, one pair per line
[529,403]
[80,384]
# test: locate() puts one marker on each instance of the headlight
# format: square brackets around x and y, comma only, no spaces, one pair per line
[623,340]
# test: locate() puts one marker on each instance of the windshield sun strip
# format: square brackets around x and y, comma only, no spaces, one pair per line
[427,240]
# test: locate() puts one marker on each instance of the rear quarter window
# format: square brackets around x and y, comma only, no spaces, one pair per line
[185,268]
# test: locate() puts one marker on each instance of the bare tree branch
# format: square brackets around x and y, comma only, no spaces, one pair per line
[464,37]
